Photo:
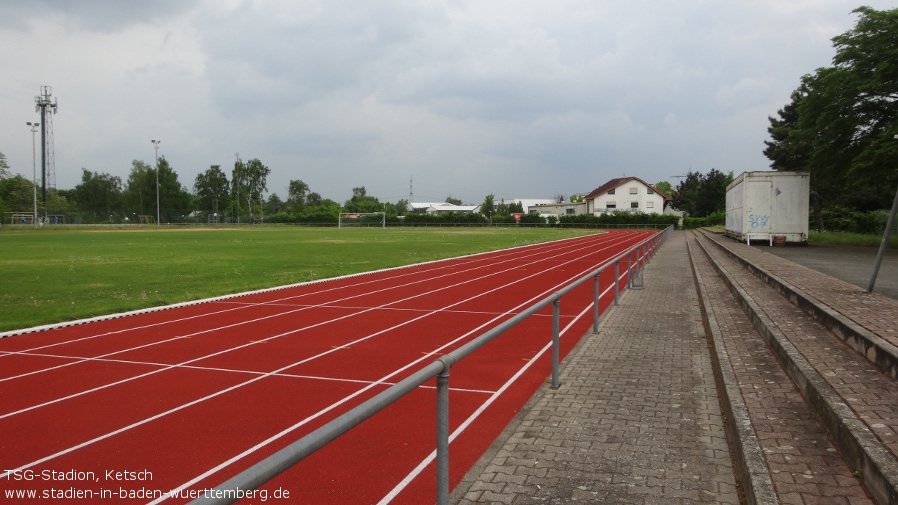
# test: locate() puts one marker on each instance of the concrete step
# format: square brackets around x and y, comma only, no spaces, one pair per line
[868,323]
[782,446]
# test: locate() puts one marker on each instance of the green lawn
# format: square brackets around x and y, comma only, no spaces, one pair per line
[59,275]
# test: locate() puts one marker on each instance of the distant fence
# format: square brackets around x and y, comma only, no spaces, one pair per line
[252,478]
[67,221]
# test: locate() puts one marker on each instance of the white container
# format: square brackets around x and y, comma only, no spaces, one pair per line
[768,206]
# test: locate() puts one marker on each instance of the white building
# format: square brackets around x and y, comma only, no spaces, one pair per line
[627,194]
[442,208]
[560,209]
[530,204]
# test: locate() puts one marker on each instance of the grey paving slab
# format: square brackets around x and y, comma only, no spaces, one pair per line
[636,419]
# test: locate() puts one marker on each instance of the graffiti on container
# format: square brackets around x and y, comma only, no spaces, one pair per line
[758,220]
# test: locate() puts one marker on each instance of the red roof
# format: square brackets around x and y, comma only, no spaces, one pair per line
[614,183]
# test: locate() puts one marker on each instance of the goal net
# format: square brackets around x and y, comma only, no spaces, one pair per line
[20,217]
[362,219]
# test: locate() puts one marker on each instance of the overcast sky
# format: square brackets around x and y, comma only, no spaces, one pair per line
[518,98]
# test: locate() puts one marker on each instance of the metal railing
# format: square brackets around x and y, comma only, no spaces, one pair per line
[252,478]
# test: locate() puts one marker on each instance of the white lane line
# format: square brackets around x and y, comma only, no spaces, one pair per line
[301,423]
[364,311]
[244,372]
[473,417]
[154,372]
[251,321]
[237,386]
[283,433]
[448,263]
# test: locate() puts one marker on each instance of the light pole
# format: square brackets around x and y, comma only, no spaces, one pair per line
[34,167]
[156,144]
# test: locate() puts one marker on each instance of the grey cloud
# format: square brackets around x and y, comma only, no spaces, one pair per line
[94,15]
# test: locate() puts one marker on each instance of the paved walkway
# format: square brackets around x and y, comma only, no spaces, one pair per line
[636,419]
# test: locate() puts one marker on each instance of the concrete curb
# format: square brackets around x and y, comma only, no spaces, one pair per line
[876,350]
[758,484]
[876,466]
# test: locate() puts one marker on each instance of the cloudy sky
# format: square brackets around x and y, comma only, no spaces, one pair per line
[518,98]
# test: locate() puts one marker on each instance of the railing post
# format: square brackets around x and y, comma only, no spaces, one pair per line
[443,436]
[629,270]
[595,306]
[616,280]
[556,316]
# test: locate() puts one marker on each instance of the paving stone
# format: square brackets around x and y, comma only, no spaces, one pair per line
[637,417]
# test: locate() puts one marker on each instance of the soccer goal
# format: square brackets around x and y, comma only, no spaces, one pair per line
[359,219]
[20,217]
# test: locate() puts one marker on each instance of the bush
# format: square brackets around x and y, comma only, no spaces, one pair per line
[847,220]
[618,219]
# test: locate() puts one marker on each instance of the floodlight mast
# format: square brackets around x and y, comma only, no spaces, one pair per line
[156,145]
[33,127]
[42,103]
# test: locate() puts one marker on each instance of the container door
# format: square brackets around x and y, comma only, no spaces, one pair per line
[757,207]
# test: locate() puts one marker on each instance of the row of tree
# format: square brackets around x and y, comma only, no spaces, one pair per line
[149,190]
[842,120]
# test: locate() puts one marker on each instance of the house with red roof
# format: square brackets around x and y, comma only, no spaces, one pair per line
[627,194]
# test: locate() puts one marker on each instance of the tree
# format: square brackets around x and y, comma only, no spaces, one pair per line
[297,195]
[274,205]
[685,196]
[174,199]
[786,155]
[248,183]
[487,208]
[711,196]
[842,119]
[314,200]
[402,206]
[453,201]
[4,167]
[140,190]
[212,189]
[361,202]
[99,194]
[699,195]
[58,201]
[664,188]
[17,193]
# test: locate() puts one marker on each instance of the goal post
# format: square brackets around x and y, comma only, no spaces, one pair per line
[357,219]
[20,217]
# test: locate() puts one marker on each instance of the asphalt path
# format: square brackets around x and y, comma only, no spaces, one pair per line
[852,264]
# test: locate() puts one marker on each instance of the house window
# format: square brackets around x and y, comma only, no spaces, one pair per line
[611,191]
[569,211]
[650,192]
[610,205]
[634,191]
[650,205]
[634,205]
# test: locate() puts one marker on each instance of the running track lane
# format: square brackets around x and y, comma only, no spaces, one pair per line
[195,394]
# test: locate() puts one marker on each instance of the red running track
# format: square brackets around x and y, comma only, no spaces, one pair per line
[157,406]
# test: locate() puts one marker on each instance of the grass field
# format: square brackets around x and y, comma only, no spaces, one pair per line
[60,275]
